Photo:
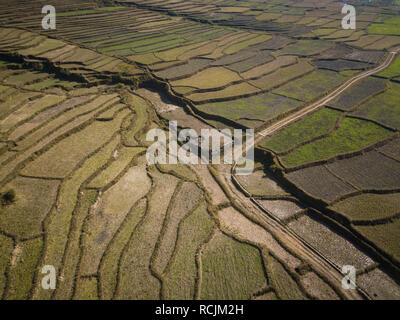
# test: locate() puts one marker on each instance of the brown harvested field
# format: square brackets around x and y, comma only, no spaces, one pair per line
[122,159]
[209,79]
[386,43]
[269,67]
[282,209]
[44,116]
[45,46]
[185,120]
[392,149]
[317,287]
[185,200]
[379,285]
[23,219]
[260,183]
[182,273]
[25,78]
[173,54]
[58,225]
[369,171]
[60,160]
[366,41]
[29,110]
[286,286]
[337,52]
[64,122]
[57,53]
[108,270]
[136,281]
[106,217]
[179,170]
[234,222]
[13,99]
[282,75]
[22,269]
[365,56]
[87,289]
[332,245]
[234,91]
[185,70]
[341,65]
[320,183]
[215,191]
[201,51]
[72,252]
[267,296]
[384,236]
[369,206]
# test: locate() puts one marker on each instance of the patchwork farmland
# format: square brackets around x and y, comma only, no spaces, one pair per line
[78,193]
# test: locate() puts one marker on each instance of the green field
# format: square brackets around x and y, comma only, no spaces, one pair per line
[305,48]
[259,107]
[383,108]
[392,71]
[312,85]
[313,126]
[389,26]
[352,135]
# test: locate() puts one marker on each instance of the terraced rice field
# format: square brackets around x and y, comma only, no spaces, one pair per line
[76,104]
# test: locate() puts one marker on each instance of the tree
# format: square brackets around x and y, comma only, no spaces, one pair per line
[8,197]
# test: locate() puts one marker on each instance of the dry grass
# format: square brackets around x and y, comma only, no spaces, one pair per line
[209,79]
[6,249]
[35,198]
[282,75]
[230,269]
[111,258]
[281,208]
[285,285]
[369,206]
[261,184]
[23,267]
[269,67]
[236,90]
[86,289]
[136,280]
[29,110]
[235,223]
[317,287]
[216,193]
[122,158]
[112,208]
[58,226]
[184,201]
[61,159]
[180,277]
